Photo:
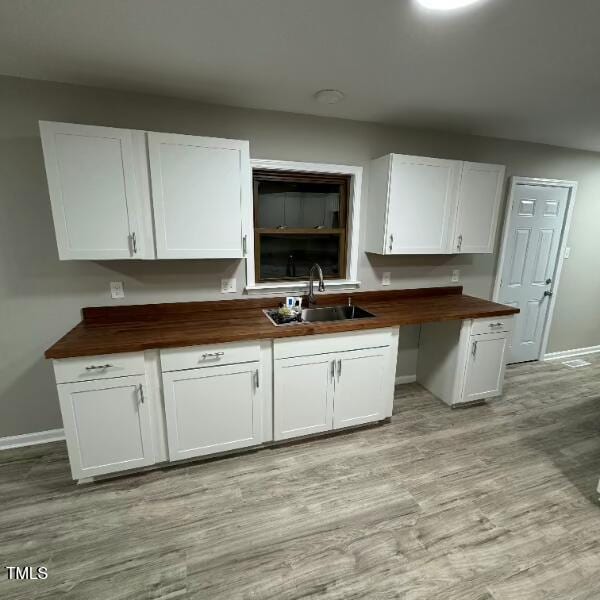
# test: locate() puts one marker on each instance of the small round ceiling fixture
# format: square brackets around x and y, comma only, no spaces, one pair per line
[446,4]
[329,96]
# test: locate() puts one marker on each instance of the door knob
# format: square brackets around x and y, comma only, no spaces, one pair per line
[548,281]
[548,293]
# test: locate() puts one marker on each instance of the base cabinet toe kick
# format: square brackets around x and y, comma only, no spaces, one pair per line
[126,412]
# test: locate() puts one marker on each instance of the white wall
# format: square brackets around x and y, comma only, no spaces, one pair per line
[41,298]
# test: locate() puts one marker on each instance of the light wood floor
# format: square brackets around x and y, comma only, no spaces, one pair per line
[492,502]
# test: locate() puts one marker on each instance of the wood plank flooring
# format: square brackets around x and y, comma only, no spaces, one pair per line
[495,502]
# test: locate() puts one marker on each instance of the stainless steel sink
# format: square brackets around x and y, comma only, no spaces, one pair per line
[325,315]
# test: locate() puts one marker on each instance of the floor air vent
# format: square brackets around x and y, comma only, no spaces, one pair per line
[576,363]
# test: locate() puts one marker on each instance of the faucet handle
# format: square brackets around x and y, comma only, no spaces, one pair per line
[349,300]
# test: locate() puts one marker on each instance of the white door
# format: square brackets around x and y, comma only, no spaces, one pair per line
[93,190]
[530,258]
[485,366]
[200,189]
[422,205]
[107,425]
[212,409]
[303,396]
[479,199]
[359,387]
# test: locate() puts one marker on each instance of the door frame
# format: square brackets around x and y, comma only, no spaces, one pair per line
[513,183]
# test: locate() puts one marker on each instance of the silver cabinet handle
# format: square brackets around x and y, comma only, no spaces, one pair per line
[459,243]
[333,370]
[493,325]
[257,378]
[391,242]
[474,351]
[216,355]
[98,367]
[339,368]
[245,245]
[134,242]
[141,392]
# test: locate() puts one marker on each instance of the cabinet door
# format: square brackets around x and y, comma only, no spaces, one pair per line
[212,409]
[479,198]
[486,363]
[107,425]
[200,189]
[95,200]
[422,205]
[303,396]
[359,388]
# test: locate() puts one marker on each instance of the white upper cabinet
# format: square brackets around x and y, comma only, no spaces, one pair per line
[119,193]
[95,198]
[479,199]
[200,190]
[422,205]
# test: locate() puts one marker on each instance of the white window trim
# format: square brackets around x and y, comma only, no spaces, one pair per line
[351,282]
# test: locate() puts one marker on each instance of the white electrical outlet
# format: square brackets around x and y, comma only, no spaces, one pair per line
[386,278]
[455,276]
[228,286]
[567,251]
[116,290]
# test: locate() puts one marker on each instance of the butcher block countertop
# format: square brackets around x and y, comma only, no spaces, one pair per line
[114,329]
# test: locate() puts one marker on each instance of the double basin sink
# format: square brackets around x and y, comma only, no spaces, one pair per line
[322,315]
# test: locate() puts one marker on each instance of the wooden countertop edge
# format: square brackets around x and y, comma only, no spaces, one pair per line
[78,347]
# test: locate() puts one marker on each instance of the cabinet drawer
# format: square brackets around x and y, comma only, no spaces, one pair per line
[88,368]
[492,325]
[313,345]
[179,359]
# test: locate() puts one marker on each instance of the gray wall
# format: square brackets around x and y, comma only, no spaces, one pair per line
[41,298]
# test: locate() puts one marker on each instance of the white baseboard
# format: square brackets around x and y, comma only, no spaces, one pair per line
[571,353]
[31,439]
[405,379]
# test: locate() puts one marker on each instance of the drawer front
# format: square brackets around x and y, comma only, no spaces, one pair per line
[89,368]
[313,345]
[179,359]
[492,325]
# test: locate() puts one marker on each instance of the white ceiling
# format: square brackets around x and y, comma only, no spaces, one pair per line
[520,69]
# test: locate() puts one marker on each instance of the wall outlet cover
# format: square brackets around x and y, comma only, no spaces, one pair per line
[567,251]
[228,286]
[455,276]
[386,278]
[116,290]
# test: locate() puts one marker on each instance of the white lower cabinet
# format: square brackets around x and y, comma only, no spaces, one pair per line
[107,425]
[359,388]
[303,392]
[212,409]
[345,386]
[486,364]
[459,363]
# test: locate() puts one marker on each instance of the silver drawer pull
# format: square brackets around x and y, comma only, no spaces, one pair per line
[96,367]
[216,355]
[141,392]
[496,324]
